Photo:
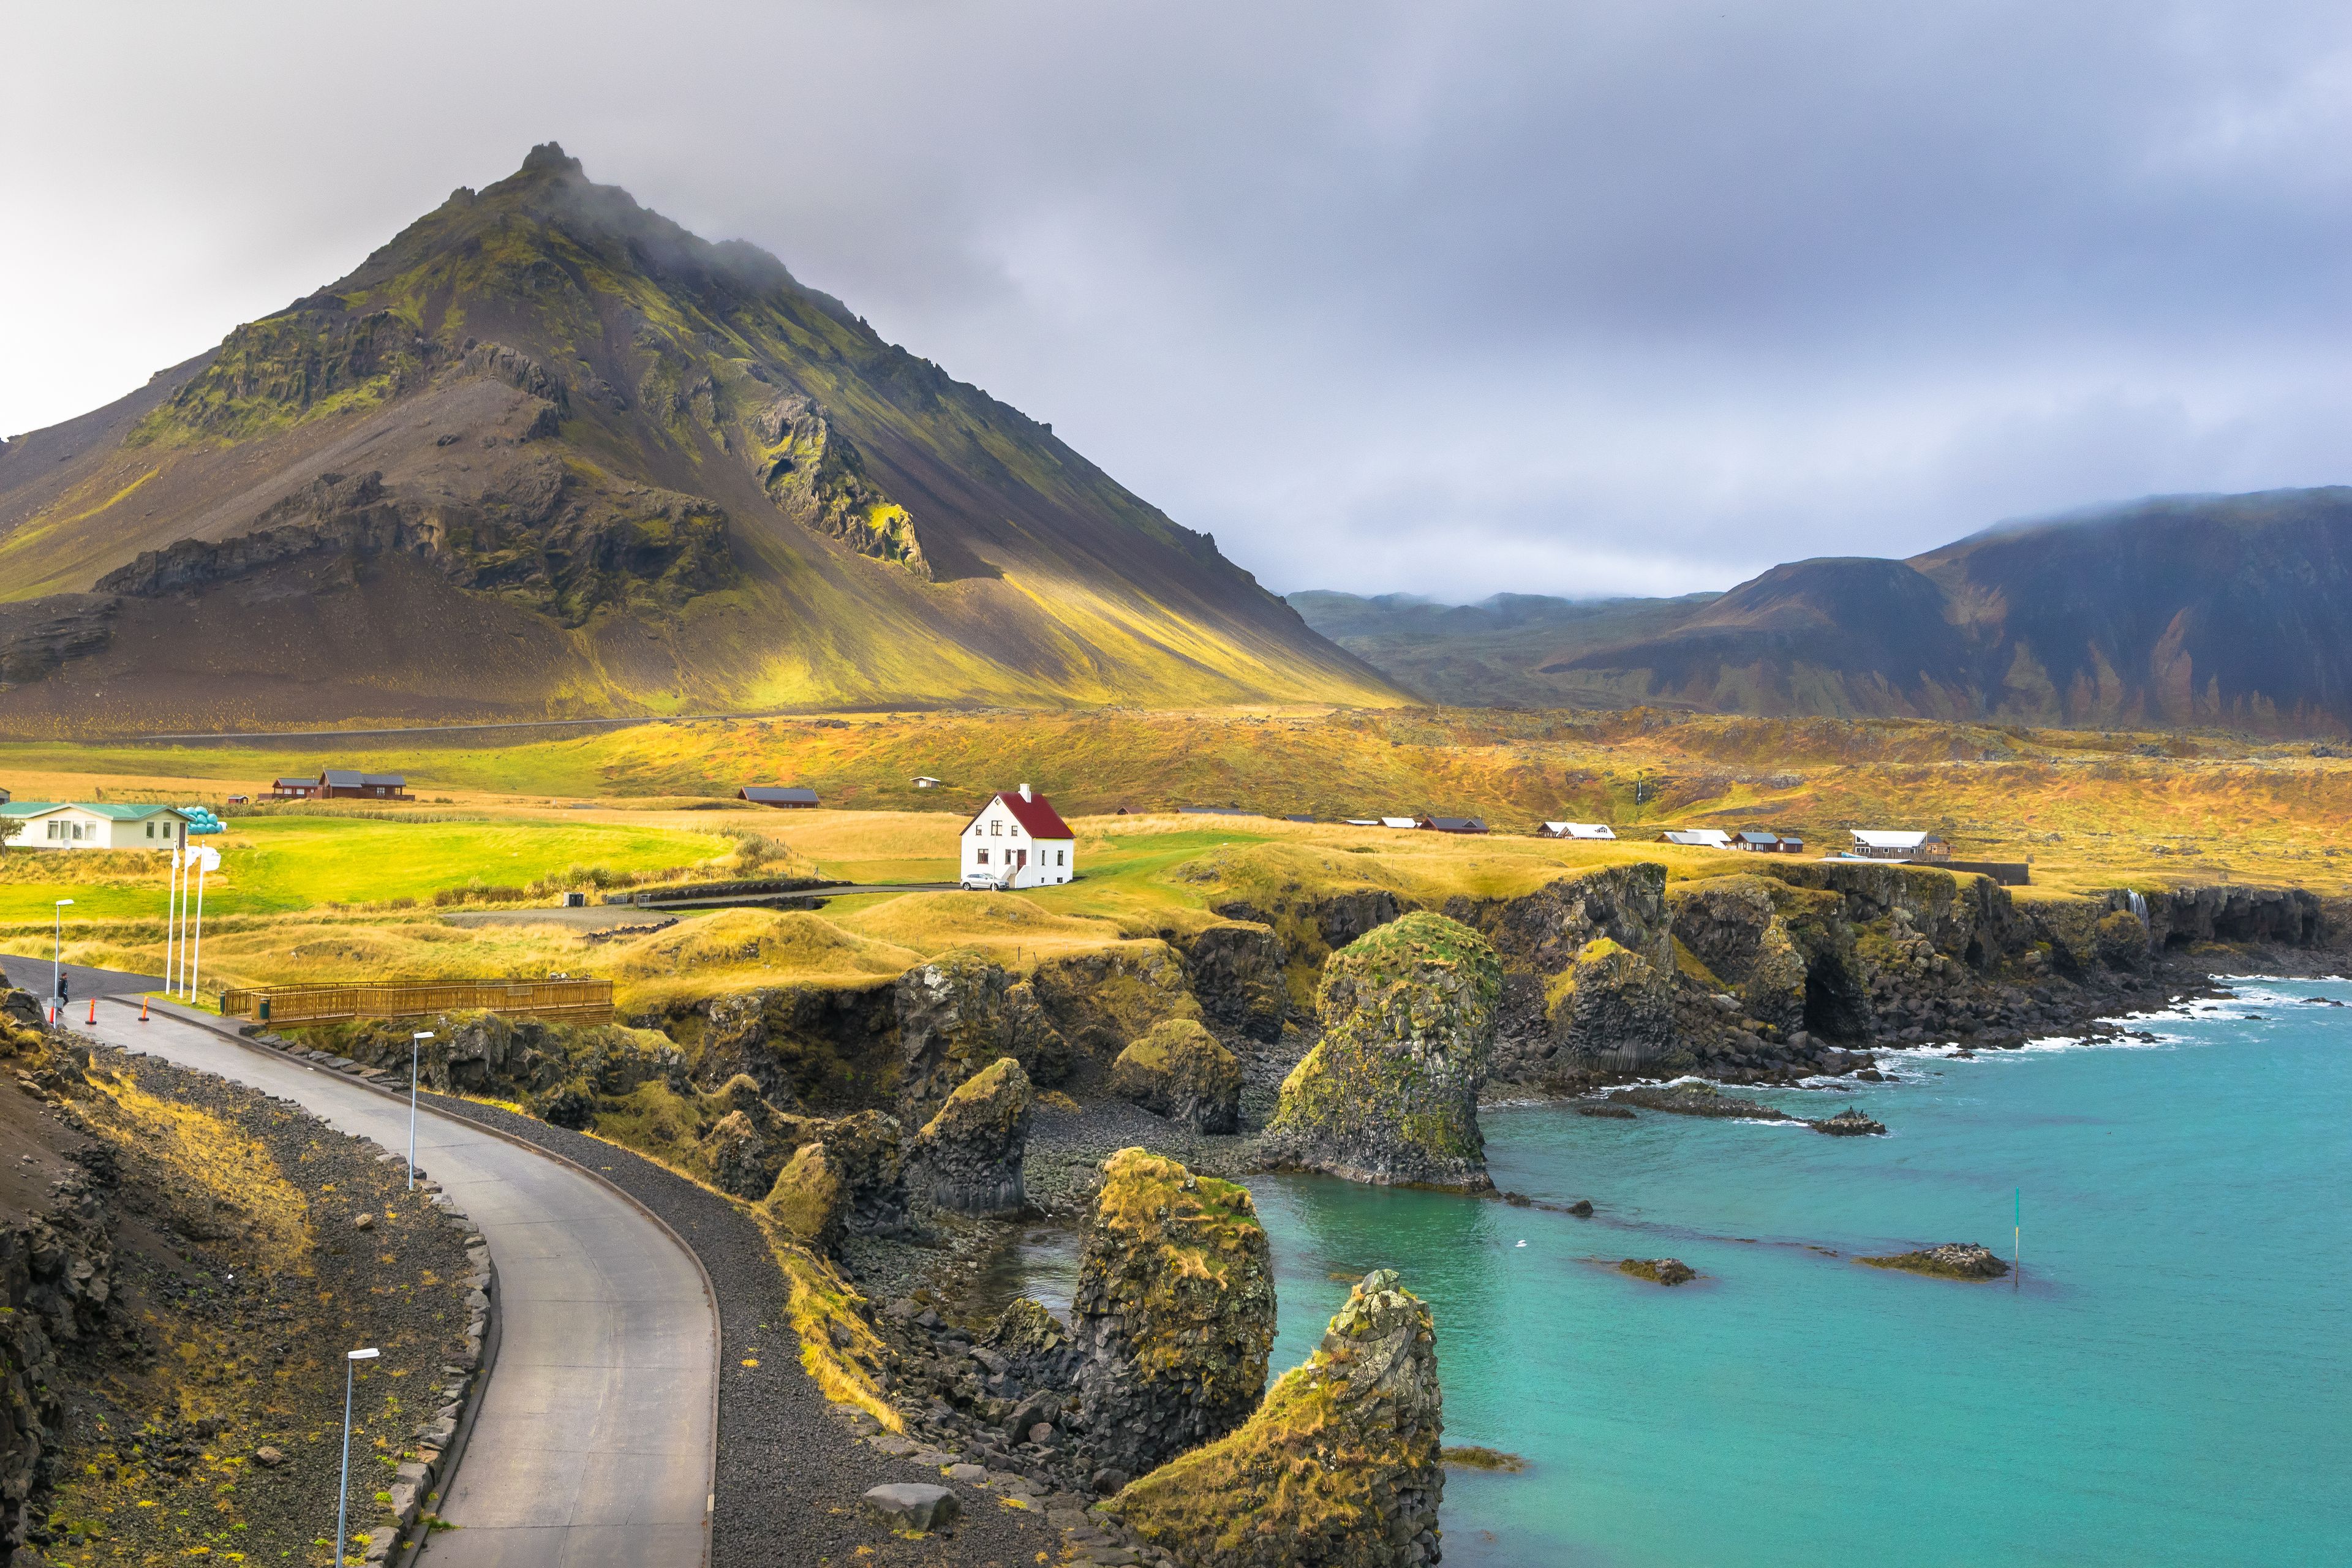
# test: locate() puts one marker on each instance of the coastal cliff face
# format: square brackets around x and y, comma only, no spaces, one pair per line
[1339,1468]
[1390,1092]
[1173,1314]
[1179,1070]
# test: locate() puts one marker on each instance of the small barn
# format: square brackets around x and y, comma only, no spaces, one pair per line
[1400,822]
[1018,840]
[1451,824]
[784,797]
[1700,837]
[925,781]
[302,788]
[349,784]
[1589,830]
[1763,841]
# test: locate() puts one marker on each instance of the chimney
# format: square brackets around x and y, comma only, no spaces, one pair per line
[1024,792]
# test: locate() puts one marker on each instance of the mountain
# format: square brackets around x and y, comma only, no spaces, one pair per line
[548,454]
[2218,611]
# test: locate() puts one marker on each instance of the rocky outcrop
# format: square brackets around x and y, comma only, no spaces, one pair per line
[1100,999]
[56,1283]
[817,477]
[1389,1094]
[1612,1009]
[2288,917]
[1339,1468]
[1235,969]
[828,1044]
[968,1157]
[958,1012]
[1732,927]
[847,1177]
[1173,1313]
[1953,1260]
[1659,1270]
[1179,1071]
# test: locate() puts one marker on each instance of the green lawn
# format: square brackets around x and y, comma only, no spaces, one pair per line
[276,865]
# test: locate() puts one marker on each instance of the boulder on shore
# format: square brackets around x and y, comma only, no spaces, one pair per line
[847,1177]
[1341,1468]
[967,1158]
[1179,1070]
[1173,1312]
[1390,1092]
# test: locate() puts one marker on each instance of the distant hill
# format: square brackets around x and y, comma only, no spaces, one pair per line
[2219,611]
[548,454]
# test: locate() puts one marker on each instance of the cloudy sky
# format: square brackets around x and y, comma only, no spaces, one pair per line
[1561,297]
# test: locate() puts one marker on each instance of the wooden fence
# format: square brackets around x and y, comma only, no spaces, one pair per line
[582,999]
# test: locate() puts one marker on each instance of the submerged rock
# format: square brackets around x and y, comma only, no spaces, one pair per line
[1953,1260]
[968,1157]
[1390,1092]
[1851,1123]
[1697,1099]
[1179,1070]
[1341,1467]
[1173,1312]
[1659,1270]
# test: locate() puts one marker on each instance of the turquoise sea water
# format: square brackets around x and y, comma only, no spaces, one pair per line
[2169,1383]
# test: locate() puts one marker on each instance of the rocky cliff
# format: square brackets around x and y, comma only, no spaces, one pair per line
[968,1157]
[1173,1313]
[1339,1468]
[1389,1094]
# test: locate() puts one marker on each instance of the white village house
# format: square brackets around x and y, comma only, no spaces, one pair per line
[1700,837]
[1018,840]
[1889,843]
[72,825]
[1593,830]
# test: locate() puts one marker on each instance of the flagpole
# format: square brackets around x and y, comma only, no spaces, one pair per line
[198,956]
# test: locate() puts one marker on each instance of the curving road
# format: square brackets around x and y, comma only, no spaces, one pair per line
[596,1438]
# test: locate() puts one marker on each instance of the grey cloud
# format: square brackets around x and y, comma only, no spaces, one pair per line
[1543,296]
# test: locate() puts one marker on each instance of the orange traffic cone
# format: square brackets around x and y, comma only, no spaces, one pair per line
[93,1009]
[143,1009]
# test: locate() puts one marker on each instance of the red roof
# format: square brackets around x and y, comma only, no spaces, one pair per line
[1036,813]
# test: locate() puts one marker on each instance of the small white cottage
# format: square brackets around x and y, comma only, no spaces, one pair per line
[1018,840]
[74,825]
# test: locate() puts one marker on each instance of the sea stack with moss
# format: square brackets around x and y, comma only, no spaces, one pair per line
[1180,1070]
[968,1157]
[1173,1313]
[1340,1467]
[1391,1093]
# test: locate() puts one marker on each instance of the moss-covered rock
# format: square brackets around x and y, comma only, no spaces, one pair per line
[1103,997]
[958,1012]
[968,1157]
[1389,1094]
[1173,1313]
[1177,1069]
[843,1176]
[2122,941]
[1611,1008]
[1235,969]
[1732,926]
[1952,1260]
[810,1199]
[1340,1467]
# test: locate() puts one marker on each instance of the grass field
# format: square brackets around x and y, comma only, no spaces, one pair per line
[317,897]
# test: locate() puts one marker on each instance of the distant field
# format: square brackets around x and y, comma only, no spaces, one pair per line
[311,896]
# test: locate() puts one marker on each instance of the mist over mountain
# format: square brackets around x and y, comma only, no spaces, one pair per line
[2216,610]
[548,454]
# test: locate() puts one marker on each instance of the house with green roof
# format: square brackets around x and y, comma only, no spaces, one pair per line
[77,824]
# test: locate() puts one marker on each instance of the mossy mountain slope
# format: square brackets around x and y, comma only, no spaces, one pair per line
[548,453]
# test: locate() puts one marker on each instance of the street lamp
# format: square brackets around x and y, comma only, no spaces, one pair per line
[415,1043]
[57,963]
[343,1500]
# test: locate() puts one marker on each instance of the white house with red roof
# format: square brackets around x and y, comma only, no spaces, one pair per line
[1019,840]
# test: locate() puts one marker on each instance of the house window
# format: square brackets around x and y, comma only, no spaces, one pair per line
[983,858]
[151,830]
[1061,856]
[996,830]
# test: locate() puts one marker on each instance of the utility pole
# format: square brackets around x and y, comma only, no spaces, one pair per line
[58,963]
[415,1043]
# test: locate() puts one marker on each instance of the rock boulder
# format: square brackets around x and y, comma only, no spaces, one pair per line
[1173,1313]
[968,1157]
[1390,1092]
[1340,1467]
[1179,1070]
[958,1012]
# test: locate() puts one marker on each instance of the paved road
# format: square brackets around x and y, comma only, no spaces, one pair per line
[595,1443]
[82,983]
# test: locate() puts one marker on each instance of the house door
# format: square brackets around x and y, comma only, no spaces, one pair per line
[1020,862]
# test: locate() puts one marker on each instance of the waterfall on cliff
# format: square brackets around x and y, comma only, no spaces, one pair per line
[2139,906]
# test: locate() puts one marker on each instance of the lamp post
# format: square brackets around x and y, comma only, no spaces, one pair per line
[415,1044]
[57,963]
[344,1499]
